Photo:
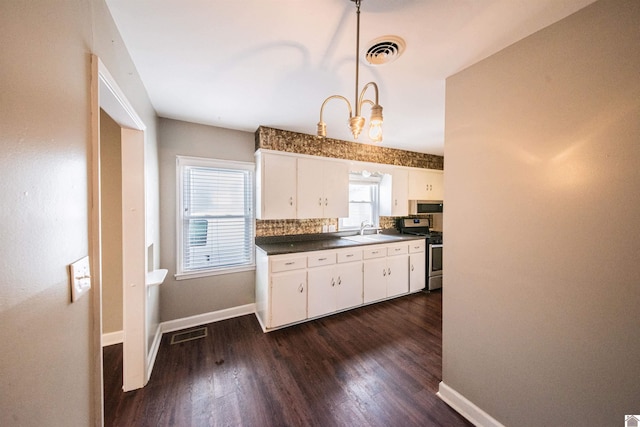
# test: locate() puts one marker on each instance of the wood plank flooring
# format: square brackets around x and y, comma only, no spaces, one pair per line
[378,365]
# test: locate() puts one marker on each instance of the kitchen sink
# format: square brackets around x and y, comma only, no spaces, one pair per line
[369,238]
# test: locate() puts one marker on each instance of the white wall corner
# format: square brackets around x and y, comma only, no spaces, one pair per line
[465,407]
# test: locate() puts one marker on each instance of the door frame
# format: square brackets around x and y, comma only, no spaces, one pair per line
[106,94]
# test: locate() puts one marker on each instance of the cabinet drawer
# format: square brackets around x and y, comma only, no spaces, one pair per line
[374,252]
[417,246]
[350,255]
[400,249]
[317,259]
[287,264]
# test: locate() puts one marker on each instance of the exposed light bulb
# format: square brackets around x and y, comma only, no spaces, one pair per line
[375,131]
[375,123]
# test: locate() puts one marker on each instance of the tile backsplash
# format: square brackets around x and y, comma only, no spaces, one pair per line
[280,227]
[294,142]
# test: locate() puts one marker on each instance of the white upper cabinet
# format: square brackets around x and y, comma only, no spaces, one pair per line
[275,186]
[394,191]
[426,184]
[323,188]
[297,186]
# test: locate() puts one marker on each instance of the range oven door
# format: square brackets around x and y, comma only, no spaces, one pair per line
[434,267]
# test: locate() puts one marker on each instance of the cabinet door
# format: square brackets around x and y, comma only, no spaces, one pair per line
[397,275]
[437,189]
[277,187]
[399,192]
[426,184]
[288,297]
[336,189]
[418,184]
[417,271]
[348,285]
[322,291]
[310,188]
[375,279]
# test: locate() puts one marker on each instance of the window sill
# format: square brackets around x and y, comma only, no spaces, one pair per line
[206,273]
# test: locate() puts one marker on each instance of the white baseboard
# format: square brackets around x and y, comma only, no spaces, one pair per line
[153,351]
[465,407]
[111,338]
[203,319]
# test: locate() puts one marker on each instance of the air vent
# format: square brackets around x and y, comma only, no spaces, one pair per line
[384,49]
[185,336]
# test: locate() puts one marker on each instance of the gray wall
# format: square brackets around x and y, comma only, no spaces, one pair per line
[48,358]
[541,295]
[184,298]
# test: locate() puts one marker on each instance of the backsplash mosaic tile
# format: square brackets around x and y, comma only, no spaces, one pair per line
[281,227]
[294,142]
[301,143]
[288,227]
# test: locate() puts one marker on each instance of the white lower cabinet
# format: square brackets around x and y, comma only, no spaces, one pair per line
[288,297]
[386,271]
[293,287]
[335,287]
[375,279]
[397,275]
[348,285]
[417,265]
[322,299]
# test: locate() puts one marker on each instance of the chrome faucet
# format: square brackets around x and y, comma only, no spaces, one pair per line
[364,225]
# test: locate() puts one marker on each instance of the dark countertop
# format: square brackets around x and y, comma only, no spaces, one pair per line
[278,245]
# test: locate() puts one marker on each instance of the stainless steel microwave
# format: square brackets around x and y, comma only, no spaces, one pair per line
[421,207]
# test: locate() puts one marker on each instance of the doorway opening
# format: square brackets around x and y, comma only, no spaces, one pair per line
[109,100]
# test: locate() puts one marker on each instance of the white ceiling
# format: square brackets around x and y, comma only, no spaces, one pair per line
[242,64]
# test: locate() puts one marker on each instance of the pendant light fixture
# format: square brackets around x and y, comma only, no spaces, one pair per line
[356,122]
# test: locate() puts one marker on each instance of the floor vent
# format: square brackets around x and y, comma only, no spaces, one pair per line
[185,336]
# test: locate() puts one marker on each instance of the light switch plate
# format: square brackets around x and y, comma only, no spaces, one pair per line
[80,278]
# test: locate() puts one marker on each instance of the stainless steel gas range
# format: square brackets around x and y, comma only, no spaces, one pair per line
[420,227]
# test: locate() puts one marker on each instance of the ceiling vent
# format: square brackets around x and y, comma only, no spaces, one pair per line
[384,49]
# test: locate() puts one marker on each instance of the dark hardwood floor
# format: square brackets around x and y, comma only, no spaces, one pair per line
[378,365]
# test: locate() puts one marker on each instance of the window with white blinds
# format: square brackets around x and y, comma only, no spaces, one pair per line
[363,202]
[215,216]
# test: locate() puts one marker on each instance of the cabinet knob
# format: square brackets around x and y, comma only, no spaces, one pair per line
[320,201]
[339,280]
[389,271]
[333,282]
[411,267]
[290,201]
[326,202]
[301,288]
[384,272]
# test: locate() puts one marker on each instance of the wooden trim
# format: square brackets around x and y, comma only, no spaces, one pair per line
[95,245]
